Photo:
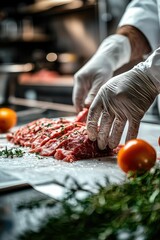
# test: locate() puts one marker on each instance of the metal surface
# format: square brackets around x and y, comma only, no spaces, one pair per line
[41,104]
[16,68]
[42,5]
[14,221]
[9,183]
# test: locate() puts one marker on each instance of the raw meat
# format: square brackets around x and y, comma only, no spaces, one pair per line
[41,76]
[63,139]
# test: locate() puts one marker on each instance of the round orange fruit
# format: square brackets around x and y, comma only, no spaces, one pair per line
[8,119]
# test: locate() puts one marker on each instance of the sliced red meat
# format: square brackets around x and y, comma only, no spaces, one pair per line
[26,132]
[79,147]
[82,116]
[66,155]
[46,141]
[63,139]
[49,148]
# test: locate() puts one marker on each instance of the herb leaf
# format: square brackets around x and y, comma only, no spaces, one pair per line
[130,210]
[11,152]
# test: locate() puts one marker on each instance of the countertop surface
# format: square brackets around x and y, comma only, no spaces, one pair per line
[42,170]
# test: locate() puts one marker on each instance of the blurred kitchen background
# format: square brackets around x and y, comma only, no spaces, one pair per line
[43,43]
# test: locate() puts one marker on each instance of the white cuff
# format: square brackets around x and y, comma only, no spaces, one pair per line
[151,67]
[117,49]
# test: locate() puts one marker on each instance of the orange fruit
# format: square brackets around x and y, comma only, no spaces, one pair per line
[8,119]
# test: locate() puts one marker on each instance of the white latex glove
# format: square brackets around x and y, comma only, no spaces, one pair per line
[124,97]
[113,53]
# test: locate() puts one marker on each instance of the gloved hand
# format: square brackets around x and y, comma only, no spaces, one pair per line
[113,53]
[124,97]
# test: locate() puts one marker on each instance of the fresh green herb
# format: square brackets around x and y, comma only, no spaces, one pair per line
[65,137]
[11,153]
[38,156]
[76,132]
[62,128]
[128,211]
[48,125]
[47,135]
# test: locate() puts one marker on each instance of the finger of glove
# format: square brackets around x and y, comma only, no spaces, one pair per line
[93,118]
[96,84]
[104,129]
[91,95]
[133,128]
[116,133]
[78,96]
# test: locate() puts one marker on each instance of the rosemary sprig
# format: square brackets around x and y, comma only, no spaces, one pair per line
[130,210]
[11,152]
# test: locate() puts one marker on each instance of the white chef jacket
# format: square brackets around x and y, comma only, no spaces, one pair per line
[144,15]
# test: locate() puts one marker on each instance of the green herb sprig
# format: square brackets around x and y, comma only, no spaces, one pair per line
[11,152]
[127,211]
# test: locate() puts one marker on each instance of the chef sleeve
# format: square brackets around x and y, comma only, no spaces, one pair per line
[143,14]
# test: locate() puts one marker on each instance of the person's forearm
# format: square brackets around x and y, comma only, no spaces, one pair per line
[139,43]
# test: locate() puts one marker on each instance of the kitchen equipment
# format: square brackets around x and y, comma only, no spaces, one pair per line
[10,183]
[8,76]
